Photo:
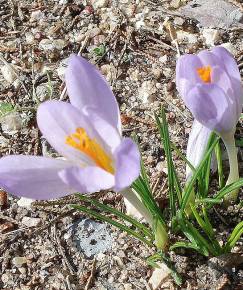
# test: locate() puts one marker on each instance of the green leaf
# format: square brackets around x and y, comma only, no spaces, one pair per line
[234,237]
[172,176]
[112,222]
[186,245]
[99,50]
[194,177]
[209,201]
[227,189]
[5,108]
[144,230]
[160,256]
[147,198]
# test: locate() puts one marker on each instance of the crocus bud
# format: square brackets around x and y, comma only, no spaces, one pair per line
[210,85]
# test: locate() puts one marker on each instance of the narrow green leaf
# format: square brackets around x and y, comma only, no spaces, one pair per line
[194,177]
[234,237]
[186,245]
[5,108]
[119,214]
[112,222]
[227,189]
[164,133]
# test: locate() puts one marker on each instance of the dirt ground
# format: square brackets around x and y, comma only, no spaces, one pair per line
[135,44]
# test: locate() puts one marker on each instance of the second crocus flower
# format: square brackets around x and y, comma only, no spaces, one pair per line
[210,85]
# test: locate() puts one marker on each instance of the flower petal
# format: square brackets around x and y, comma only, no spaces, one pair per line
[110,135]
[222,80]
[57,120]
[233,72]
[87,180]
[228,61]
[186,69]
[197,143]
[33,176]
[210,106]
[87,88]
[127,159]
[209,59]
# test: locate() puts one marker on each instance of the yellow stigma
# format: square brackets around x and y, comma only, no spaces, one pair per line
[205,73]
[81,141]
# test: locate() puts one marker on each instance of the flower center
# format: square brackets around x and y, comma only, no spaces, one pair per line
[81,141]
[205,73]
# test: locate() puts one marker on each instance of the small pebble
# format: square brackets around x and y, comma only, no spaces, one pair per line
[19,261]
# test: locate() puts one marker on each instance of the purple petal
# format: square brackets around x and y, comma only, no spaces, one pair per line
[197,143]
[127,159]
[209,59]
[87,88]
[228,61]
[110,135]
[87,180]
[210,106]
[222,80]
[33,176]
[233,72]
[57,120]
[186,72]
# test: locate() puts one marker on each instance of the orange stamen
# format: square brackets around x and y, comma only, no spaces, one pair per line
[81,141]
[205,73]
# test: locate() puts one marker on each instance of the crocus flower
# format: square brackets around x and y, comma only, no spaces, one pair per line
[87,133]
[210,85]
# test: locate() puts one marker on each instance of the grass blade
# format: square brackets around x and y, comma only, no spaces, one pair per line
[194,177]
[112,222]
[119,214]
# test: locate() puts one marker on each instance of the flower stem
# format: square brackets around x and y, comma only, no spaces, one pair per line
[229,142]
[132,197]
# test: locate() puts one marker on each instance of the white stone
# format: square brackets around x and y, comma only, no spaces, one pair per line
[19,261]
[8,73]
[25,202]
[128,287]
[62,68]
[99,3]
[11,123]
[211,36]
[49,45]
[37,15]
[31,222]
[146,90]
[30,39]
[163,59]
[184,36]
[159,276]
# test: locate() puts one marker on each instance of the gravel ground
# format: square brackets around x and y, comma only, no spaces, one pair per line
[135,45]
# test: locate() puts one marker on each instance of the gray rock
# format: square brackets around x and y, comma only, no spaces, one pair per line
[19,261]
[31,222]
[11,123]
[213,13]
[92,237]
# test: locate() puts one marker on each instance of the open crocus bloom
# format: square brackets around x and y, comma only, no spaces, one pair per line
[87,133]
[210,85]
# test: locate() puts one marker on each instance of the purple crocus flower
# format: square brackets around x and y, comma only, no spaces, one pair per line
[86,132]
[210,85]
